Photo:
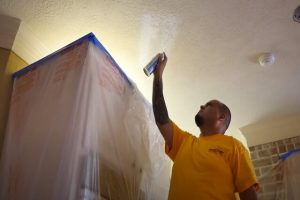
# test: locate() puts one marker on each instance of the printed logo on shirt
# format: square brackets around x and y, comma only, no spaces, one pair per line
[217,151]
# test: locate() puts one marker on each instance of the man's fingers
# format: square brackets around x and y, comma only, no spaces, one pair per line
[162,59]
[165,58]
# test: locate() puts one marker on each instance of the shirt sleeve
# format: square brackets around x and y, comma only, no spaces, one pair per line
[242,167]
[178,137]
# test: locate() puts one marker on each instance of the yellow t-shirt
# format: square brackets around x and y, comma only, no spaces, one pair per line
[208,167]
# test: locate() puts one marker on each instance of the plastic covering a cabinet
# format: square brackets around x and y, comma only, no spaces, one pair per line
[78,128]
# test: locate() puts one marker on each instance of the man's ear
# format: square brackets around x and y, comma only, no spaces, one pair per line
[222,116]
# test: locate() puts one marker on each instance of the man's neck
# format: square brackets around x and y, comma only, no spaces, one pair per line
[208,132]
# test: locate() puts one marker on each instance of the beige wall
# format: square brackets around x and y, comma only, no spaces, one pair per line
[9,63]
[272,130]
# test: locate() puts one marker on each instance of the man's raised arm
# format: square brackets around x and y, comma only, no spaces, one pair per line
[162,119]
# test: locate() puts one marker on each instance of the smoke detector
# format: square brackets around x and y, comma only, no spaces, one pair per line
[297,15]
[266,59]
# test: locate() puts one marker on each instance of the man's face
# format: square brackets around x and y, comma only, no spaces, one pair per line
[208,113]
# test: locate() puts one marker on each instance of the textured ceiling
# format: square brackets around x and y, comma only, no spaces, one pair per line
[212,48]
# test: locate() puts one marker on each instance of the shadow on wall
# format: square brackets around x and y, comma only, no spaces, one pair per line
[9,63]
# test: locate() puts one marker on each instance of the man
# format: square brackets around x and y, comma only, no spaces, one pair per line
[211,166]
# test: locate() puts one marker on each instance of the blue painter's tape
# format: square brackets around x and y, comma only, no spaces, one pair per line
[287,154]
[91,37]
[52,55]
[96,42]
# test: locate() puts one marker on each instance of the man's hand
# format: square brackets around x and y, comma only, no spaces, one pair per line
[162,61]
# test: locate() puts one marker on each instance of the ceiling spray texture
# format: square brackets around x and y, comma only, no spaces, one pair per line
[158,33]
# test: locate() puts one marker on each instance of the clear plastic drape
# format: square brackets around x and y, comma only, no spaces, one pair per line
[78,129]
[286,177]
[292,176]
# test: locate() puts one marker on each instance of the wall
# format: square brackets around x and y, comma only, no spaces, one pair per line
[272,129]
[265,157]
[9,63]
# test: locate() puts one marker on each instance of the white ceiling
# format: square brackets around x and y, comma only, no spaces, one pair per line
[212,48]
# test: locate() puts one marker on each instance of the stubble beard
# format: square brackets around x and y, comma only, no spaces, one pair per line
[199,120]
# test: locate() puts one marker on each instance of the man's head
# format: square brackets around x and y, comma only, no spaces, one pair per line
[213,116]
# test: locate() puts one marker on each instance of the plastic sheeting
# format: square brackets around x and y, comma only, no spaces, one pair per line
[286,176]
[78,128]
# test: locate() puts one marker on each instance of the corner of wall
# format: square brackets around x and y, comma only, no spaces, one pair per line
[10,64]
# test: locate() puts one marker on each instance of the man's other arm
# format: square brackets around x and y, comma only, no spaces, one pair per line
[248,194]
